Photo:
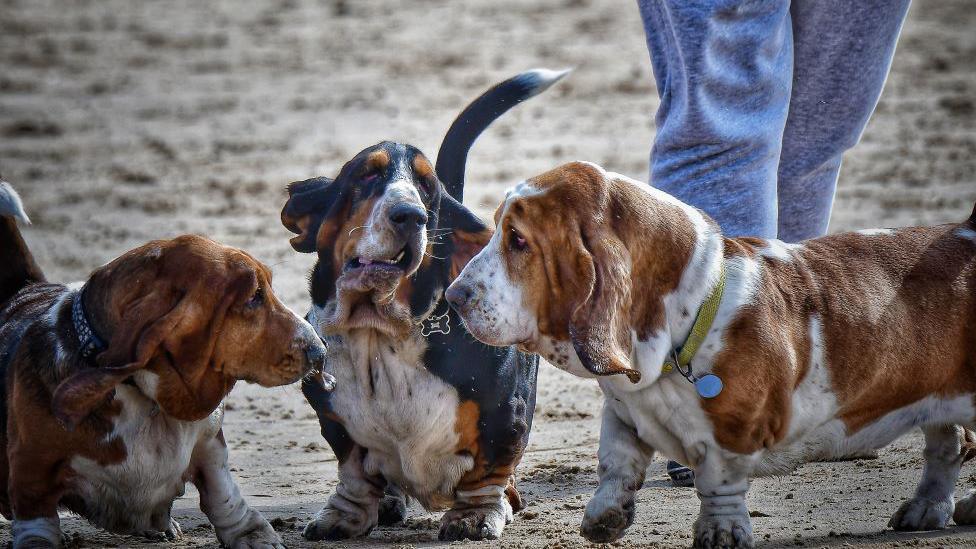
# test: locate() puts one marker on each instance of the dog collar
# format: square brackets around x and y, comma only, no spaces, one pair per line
[89,343]
[708,385]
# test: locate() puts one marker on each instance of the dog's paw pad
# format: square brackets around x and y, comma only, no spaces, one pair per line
[918,514]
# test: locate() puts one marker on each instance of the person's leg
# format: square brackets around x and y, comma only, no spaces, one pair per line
[842,51]
[723,70]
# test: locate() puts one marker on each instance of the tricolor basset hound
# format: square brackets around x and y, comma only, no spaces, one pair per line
[111,389]
[419,407]
[824,348]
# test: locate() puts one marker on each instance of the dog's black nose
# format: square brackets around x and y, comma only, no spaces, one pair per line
[458,295]
[315,355]
[408,218]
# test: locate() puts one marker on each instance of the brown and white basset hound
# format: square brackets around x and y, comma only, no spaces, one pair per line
[112,388]
[824,348]
[420,408]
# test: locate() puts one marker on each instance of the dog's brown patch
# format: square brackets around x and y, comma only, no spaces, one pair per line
[422,167]
[377,160]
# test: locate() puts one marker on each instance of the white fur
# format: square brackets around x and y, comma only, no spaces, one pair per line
[378,234]
[876,232]
[405,416]
[136,495]
[10,203]
[779,250]
[506,321]
[31,531]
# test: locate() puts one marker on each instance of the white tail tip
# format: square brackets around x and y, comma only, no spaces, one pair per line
[10,203]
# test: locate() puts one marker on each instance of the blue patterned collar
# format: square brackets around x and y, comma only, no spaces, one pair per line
[89,343]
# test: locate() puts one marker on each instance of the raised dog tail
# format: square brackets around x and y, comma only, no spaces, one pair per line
[17,265]
[479,114]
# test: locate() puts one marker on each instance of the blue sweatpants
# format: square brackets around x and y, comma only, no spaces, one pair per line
[759,101]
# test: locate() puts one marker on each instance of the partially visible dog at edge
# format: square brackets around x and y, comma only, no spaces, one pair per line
[111,389]
[737,356]
[421,408]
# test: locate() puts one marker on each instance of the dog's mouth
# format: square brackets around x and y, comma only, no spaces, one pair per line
[398,262]
[366,292]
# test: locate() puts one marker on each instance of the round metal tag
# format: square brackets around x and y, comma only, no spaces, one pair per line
[708,386]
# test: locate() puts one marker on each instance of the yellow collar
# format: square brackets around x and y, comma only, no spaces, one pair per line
[681,356]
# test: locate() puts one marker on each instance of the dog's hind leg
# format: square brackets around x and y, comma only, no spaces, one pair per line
[932,504]
[353,510]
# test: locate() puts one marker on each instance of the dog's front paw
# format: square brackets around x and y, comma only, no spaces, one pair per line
[725,532]
[919,514]
[476,523]
[37,542]
[172,533]
[262,536]
[333,524]
[965,514]
[603,523]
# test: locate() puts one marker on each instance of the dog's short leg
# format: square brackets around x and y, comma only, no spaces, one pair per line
[932,505]
[623,460]
[237,526]
[34,495]
[393,506]
[477,514]
[353,510]
[723,520]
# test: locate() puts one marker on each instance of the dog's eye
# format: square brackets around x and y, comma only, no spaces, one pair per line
[256,300]
[424,186]
[369,177]
[517,241]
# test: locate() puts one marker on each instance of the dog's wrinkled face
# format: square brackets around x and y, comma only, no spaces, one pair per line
[198,316]
[554,278]
[375,229]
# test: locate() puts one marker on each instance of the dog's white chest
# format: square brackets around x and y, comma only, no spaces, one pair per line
[135,495]
[401,413]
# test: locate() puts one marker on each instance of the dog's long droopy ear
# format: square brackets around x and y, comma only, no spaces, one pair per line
[308,204]
[468,233]
[142,330]
[175,318]
[599,325]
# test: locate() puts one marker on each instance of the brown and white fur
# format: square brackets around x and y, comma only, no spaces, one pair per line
[115,437]
[827,347]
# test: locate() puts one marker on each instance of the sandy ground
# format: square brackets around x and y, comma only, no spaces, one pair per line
[120,123]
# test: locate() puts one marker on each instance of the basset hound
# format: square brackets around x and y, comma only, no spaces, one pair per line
[420,408]
[739,357]
[112,388]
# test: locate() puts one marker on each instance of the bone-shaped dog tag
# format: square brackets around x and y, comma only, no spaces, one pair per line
[436,325]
